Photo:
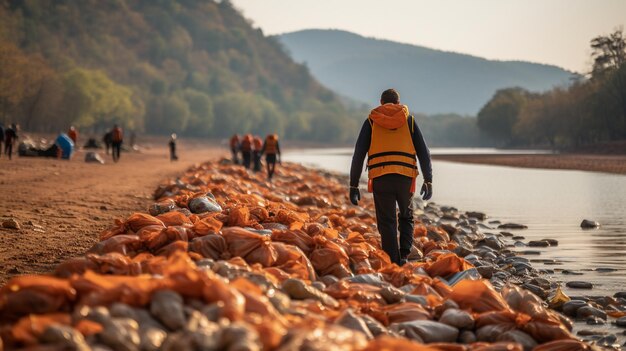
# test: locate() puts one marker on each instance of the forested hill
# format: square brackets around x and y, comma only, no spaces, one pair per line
[187,66]
[433,81]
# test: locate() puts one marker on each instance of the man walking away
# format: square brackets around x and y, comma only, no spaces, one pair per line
[271,148]
[234,147]
[108,140]
[246,150]
[391,139]
[172,145]
[10,135]
[117,137]
[258,146]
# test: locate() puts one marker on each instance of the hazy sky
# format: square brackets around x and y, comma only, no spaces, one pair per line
[546,31]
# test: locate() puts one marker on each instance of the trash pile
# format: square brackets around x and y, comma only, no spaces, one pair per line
[227,261]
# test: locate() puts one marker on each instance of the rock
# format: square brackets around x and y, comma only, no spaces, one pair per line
[204,204]
[621,322]
[530,252]
[121,334]
[64,337]
[551,242]
[569,308]
[457,318]
[579,285]
[297,289]
[587,224]
[427,331]
[518,237]
[467,337]
[537,290]
[538,243]
[11,223]
[478,215]
[350,320]
[512,226]
[492,242]
[589,332]
[374,326]
[570,272]
[593,320]
[607,340]
[167,307]
[588,311]
[620,294]
[605,270]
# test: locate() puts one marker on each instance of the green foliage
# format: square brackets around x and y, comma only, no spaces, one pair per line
[589,111]
[163,66]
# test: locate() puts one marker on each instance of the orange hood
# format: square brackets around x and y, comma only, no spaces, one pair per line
[390,116]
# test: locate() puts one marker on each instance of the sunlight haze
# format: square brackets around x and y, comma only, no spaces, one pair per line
[554,32]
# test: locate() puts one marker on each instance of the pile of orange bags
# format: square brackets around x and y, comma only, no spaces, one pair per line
[281,266]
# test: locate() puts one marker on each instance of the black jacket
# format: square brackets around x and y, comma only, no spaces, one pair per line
[363,145]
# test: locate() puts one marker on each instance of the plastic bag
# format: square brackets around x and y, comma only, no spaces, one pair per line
[211,246]
[252,247]
[478,296]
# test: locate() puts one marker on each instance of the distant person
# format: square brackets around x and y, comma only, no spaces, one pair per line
[10,136]
[73,134]
[258,146]
[108,140]
[117,137]
[1,138]
[271,148]
[234,148]
[172,145]
[247,146]
[391,139]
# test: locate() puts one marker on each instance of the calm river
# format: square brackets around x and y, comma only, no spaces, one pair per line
[552,203]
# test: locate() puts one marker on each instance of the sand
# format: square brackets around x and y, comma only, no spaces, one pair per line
[62,206]
[584,162]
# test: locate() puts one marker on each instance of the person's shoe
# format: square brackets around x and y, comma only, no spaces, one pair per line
[403,261]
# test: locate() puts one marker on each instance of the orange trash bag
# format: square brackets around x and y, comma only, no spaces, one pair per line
[137,221]
[28,329]
[252,247]
[293,261]
[34,294]
[478,296]
[446,265]
[329,258]
[211,246]
[295,237]
[174,218]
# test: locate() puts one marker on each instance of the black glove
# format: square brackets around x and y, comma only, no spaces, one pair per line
[355,195]
[427,191]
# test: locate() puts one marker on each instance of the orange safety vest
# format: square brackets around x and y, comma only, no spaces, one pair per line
[391,151]
[117,134]
[271,145]
[246,144]
[234,141]
[258,144]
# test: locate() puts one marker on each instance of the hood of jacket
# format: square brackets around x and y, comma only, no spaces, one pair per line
[390,116]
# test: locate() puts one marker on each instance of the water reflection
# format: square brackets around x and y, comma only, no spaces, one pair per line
[552,203]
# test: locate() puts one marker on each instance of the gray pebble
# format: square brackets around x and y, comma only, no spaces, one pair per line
[579,285]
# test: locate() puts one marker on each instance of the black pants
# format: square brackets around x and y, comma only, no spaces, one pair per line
[389,190]
[270,161]
[257,161]
[247,158]
[8,149]
[117,147]
[234,151]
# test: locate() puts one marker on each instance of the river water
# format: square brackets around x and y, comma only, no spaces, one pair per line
[552,203]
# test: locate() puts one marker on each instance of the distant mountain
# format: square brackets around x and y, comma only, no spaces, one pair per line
[430,81]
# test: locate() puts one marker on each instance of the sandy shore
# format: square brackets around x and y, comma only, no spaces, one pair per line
[583,162]
[62,206]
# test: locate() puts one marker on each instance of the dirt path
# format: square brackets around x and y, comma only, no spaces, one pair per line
[594,163]
[62,206]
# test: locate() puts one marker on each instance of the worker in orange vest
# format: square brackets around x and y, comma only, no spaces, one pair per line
[258,146]
[247,147]
[117,137]
[234,148]
[73,134]
[393,144]
[271,148]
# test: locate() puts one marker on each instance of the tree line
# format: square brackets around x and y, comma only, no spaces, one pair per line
[589,111]
[192,67]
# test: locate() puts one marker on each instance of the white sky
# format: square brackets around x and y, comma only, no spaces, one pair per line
[546,31]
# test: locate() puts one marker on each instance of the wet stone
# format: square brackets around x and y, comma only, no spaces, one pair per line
[595,321]
[518,237]
[530,252]
[586,223]
[571,307]
[605,269]
[590,332]
[620,294]
[551,242]
[570,272]
[588,311]
[621,322]
[579,285]
[538,243]
[607,340]
[509,234]
[512,226]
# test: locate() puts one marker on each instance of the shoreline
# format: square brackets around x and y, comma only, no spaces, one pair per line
[614,164]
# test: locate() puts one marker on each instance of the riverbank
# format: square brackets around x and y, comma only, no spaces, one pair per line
[61,206]
[615,164]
